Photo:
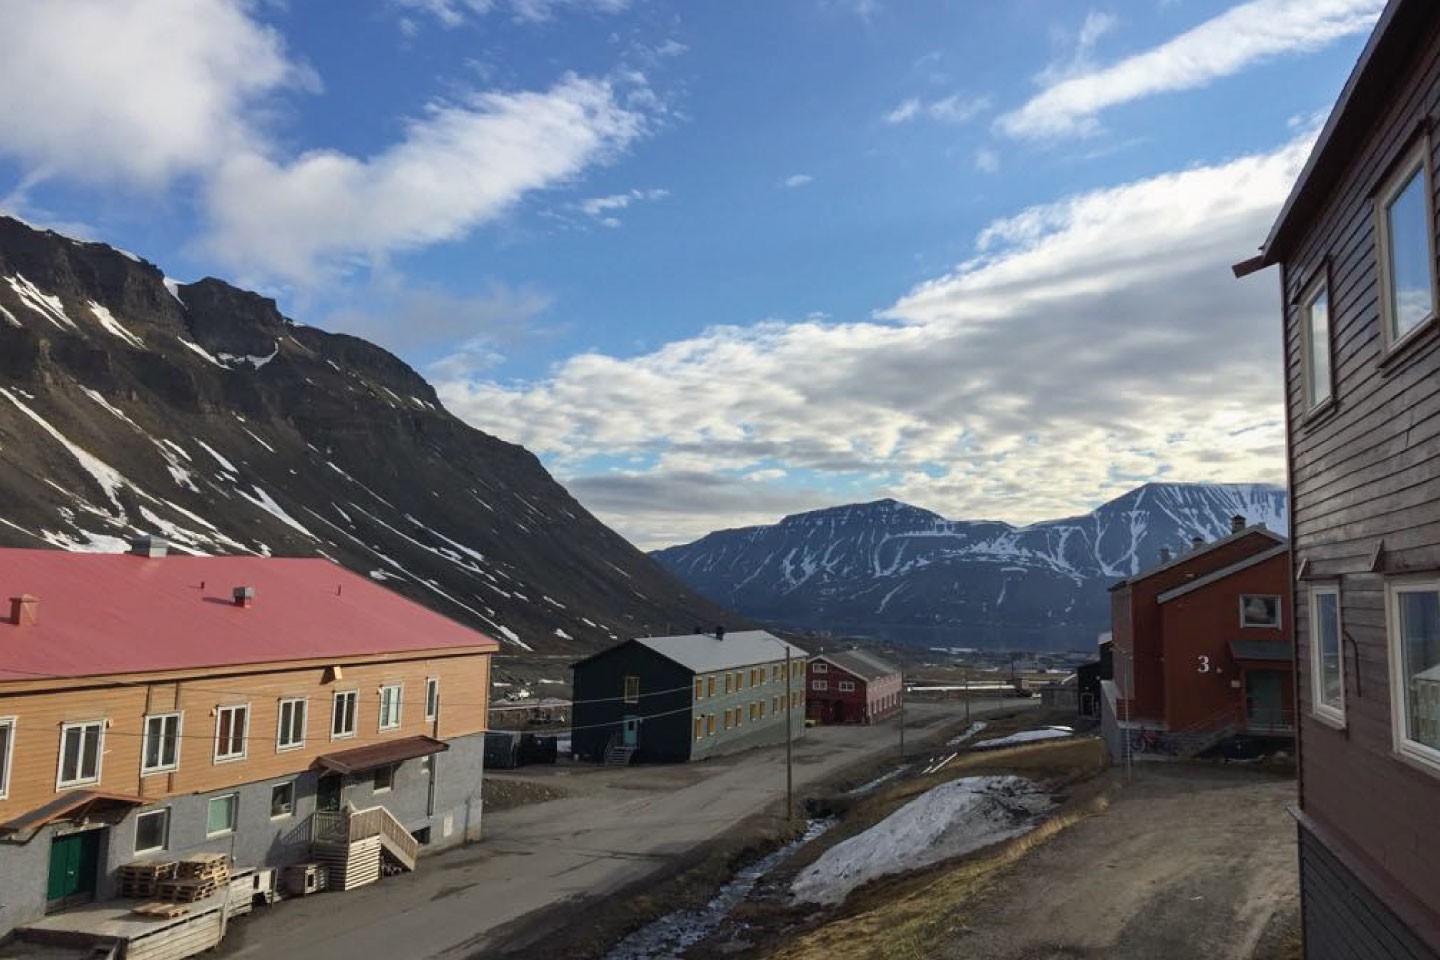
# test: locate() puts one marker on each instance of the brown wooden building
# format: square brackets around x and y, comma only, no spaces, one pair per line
[1356,247]
[851,686]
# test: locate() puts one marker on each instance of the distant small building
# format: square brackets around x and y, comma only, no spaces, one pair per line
[673,699]
[851,686]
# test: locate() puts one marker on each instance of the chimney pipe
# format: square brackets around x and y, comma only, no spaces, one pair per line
[1165,555]
[1197,542]
[719,632]
[149,546]
[1237,523]
[24,610]
[244,596]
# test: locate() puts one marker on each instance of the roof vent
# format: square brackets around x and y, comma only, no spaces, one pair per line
[1164,554]
[1237,523]
[244,596]
[1197,542]
[719,632]
[149,546]
[24,610]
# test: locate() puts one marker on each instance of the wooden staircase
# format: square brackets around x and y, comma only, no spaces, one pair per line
[354,845]
[618,754]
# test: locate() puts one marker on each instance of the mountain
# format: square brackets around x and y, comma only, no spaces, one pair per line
[897,572]
[132,404]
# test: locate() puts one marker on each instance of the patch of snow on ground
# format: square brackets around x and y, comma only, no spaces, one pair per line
[113,326]
[109,479]
[94,395]
[8,316]
[512,636]
[192,345]
[86,542]
[879,781]
[257,362]
[226,464]
[258,440]
[562,634]
[173,288]
[948,821]
[42,303]
[267,503]
[1025,736]
[975,728]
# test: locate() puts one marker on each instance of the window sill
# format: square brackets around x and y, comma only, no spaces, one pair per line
[1329,720]
[289,747]
[1397,354]
[1319,414]
[343,736]
[1412,757]
[158,771]
[77,783]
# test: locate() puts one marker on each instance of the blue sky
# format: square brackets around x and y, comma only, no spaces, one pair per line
[716,262]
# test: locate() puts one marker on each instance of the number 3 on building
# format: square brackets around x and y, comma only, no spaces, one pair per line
[1204,664]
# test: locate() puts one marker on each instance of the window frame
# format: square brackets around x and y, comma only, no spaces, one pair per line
[165,833]
[1318,287]
[220,711]
[179,718]
[699,688]
[281,746]
[700,727]
[60,782]
[631,688]
[432,698]
[819,666]
[7,754]
[1405,747]
[1413,161]
[234,797]
[354,696]
[287,785]
[1279,623]
[399,689]
[393,768]
[821,685]
[846,686]
[1319,709]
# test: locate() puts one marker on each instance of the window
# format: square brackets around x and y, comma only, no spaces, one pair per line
[342,716]
[230,729]
[699,727]
[384,778]
[1407,294]
[760,710]
[7,744]
[632,689]
[1259,611]
[710,686]
[282,800]
[1413,618]
[847,686]
[161,750]
[152,830]
[1327,673]
[699,688]
[1315,341]
[820,685]
[774,673]
[432,698]
[727,720]
[80,753]
[818,667]
[729,682]
[775,704]
[220,814]
[390,706]
[292,724]
[710,724]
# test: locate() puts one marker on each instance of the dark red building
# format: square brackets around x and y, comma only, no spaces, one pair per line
[851,686]
[1202,643]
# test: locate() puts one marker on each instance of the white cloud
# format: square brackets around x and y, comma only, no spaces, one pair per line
[956,108]
[134,91]
[797,180]
[454,13]
[987,160]
[459,166]
[604,209]
[1090,342]
[1220,47]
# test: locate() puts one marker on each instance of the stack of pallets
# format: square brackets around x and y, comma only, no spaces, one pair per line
[196,878]
[140,881]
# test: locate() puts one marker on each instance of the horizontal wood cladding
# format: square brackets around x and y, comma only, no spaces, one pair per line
[41,714]
[1365,470]
[1343,919]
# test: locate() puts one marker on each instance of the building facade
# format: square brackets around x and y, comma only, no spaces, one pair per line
[851,686]
[154,707]
[1356,247]
[674,699]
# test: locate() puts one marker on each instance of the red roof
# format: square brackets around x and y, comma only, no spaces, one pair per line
[102,614]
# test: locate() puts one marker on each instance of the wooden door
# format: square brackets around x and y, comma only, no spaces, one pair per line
[74,863]
[329,793]
[630,732]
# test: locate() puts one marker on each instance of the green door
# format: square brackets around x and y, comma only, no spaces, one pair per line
[74,860]
[1265,701]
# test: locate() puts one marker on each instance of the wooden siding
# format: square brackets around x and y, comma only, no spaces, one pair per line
[1366,470]
[464,695]
[1343,919]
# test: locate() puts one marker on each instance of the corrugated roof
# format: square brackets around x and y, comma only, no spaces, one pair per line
[103,614]
[1223,572]
[376,755]
[702,653]
[859,662]
[71,805]
[1200,551]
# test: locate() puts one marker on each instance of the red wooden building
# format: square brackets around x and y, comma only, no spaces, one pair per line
[1202,642]
[1356,246]
[851,686]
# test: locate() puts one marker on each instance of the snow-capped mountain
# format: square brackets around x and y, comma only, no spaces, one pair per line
[132,404]
[890,570]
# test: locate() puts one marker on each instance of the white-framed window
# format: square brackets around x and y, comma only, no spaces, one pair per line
[342,714]
[282,800]
[1315,344]
[847,686]
[1259,610]
[1327,655]
[384,778]
[152,830]
[220,814]
[819,667]
[390,695]
[232,726]
[290,733]
[161,749]
[7,751]
[1405,247]
[700,728]
[81,747]
[820,685]
[1412,617]
[632,689]
[432,697]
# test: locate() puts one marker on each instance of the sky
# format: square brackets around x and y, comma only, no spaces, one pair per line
[718,262]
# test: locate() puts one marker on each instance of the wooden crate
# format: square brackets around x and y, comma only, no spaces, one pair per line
[205,866]
[139,880]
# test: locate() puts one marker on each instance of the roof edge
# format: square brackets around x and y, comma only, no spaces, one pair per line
[1239,566]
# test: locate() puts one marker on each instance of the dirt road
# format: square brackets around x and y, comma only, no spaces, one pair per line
[1189,862]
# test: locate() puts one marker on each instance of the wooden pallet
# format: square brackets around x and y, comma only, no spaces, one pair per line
[205,866]
[186,890]
[139,880]
[157,908]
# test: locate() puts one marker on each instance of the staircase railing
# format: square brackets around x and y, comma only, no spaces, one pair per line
[354,825]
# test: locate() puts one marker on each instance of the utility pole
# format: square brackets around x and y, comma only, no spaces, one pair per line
[902,715]
[434,760]
[966,676]
[789,741]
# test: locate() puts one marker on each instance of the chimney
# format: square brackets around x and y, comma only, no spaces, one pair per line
[1164,554]
[1237,523]
[244,596]
[149,546]
[699,630]
[719,632]
[24,610]
[1197,542]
